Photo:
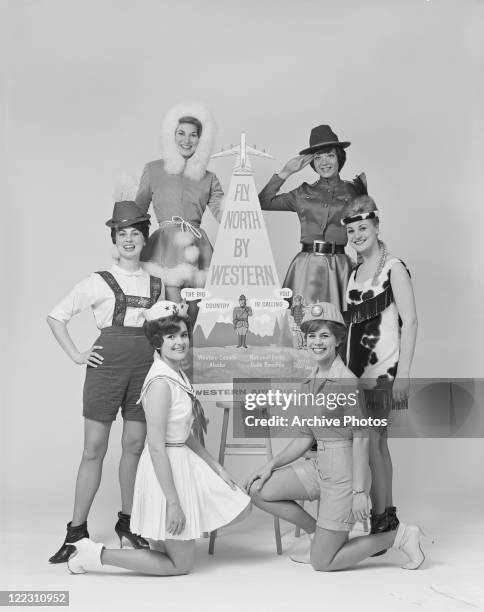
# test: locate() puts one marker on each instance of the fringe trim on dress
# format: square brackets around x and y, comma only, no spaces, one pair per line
[379,402]
[357,313]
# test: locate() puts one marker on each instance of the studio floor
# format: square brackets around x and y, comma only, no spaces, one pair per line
[245,574]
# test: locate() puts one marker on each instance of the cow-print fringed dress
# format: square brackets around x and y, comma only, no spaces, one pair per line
[373,347]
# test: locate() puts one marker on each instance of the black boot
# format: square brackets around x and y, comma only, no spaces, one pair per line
[393,521]
[73,535]
[123,531]
[379,524]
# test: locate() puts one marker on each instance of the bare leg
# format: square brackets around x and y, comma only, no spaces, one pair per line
[96,437]
[277,497]
[178,559]
[332,551]
[378,473]
[132,441]
[387,462]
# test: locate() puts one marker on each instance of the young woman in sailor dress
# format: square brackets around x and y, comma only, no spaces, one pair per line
[180,491]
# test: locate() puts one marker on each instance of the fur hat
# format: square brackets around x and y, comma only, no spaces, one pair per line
[196,166]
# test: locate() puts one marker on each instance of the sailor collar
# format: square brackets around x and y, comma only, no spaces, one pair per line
[163,369]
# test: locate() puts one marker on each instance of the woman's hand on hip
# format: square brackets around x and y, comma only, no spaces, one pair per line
[360,507]
[175,518]
[89,357]
[295,165]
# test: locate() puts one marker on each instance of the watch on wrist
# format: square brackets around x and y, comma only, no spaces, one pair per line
[357,492]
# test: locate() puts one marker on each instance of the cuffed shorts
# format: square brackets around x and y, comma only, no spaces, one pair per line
[118,381]
[330,478]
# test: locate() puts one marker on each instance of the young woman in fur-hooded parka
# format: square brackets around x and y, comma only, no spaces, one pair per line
[181,188]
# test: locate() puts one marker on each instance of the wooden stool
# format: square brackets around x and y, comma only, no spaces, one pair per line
[242,449]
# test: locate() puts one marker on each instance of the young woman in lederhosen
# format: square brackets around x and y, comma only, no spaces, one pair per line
[321,270]
[117,364]
[381,341]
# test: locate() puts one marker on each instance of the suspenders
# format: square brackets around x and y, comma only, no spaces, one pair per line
[133,301]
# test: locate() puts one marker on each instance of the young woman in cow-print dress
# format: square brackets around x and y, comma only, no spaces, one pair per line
[382,332]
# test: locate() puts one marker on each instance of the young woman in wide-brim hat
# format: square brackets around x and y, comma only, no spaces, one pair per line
[117,364]
[321,270]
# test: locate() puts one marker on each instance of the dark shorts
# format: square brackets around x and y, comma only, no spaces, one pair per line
[117,382]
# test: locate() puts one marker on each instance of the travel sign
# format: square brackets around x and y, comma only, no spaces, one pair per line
[242,329]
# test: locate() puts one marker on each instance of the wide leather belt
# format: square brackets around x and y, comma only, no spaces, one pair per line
[322,247]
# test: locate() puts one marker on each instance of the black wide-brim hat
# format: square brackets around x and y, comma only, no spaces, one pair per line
[126,213]
[323,136]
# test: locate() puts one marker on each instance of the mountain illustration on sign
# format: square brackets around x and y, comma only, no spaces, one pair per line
[242,328]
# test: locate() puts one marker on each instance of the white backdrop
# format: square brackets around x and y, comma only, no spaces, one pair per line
[86,87]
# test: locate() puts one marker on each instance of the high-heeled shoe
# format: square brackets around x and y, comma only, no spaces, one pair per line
[407,540]
[87,552]
[123,530]
[74,533]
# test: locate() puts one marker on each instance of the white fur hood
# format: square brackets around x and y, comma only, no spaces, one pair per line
[196,166]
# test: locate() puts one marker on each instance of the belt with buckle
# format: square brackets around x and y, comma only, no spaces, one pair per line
[323,247]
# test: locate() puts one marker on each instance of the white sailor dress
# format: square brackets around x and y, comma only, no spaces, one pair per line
[207,501]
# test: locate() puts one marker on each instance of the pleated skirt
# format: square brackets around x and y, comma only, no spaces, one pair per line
[206,500]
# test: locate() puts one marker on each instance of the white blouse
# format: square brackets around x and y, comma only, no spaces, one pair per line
[93,292]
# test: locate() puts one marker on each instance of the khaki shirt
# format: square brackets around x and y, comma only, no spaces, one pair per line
[319,206]
[340,381]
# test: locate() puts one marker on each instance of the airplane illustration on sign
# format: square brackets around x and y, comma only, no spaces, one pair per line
[242,150]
